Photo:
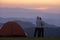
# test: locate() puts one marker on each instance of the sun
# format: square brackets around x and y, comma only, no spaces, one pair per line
[41,8]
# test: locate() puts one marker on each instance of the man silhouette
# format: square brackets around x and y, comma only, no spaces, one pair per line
[39,30]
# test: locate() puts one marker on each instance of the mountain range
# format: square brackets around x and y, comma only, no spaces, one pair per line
[32,20]
[29,27]
[51,17]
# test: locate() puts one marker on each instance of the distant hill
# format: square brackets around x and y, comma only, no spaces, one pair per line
[49,30]
[1,24]
[25,24]
[32,20]
[29,27]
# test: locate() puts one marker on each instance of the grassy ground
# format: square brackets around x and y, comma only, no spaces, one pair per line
[20,38]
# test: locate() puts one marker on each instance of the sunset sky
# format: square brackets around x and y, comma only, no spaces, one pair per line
[27,2]
[49,9]
[47,6]
[31,4]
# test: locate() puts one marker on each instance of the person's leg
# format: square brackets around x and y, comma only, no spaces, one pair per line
[39,32]
[35,32]
[42,32]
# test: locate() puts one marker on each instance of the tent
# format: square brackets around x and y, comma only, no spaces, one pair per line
[11,29]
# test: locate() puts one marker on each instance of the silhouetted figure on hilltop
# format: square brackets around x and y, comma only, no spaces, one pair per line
[39,30]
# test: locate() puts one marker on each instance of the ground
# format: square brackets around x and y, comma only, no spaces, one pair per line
[21,38]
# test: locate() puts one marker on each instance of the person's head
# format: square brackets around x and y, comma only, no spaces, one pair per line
[40,18]
[37,17]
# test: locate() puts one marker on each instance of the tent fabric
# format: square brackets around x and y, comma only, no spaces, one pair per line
[12,29]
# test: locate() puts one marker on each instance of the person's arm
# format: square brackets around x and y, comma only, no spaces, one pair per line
[36,23]
[42,23]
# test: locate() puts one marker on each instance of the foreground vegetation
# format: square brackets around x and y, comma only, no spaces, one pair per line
[21,38]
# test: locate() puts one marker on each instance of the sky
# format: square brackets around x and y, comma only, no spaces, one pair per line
[31,9]
[46,6]
[31,4]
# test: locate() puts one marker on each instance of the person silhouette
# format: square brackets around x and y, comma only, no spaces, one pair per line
[39,30]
